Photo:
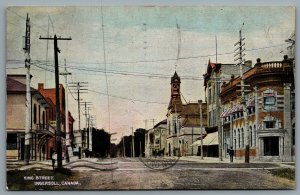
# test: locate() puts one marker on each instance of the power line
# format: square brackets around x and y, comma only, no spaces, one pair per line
[126,98]
[173,59]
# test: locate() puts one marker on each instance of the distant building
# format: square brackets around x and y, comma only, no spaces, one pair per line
[42,134]
[270,112]
[156,139]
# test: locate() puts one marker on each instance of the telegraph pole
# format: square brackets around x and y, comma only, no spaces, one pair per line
[90,132]
[218,110]
[58,129]
[201,126]
[153,121]
[240,49]
[86,113]
[133,153]
[78,87]
[26,49]
[65,74]
[123,147]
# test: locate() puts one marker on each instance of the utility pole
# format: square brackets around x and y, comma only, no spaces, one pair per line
[201,127]
[90,131]
[153,121]
[123,147]
[133,153]
[218,111]
[79,88]
[26,49]
[65,74]
[86,132]
[58,129]
[240,49]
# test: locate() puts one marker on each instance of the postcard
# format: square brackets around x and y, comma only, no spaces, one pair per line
[150,97]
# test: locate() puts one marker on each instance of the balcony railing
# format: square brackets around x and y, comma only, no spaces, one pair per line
[271,65]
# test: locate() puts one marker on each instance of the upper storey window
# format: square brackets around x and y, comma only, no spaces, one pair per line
[269,99]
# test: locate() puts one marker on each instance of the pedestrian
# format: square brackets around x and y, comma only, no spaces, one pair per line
[53,158]
[231,153]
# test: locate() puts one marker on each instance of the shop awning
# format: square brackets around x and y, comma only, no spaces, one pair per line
[210,139]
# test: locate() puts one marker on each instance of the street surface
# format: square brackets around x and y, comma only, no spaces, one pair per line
[130,173]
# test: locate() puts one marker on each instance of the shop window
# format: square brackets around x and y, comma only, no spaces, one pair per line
[11,142]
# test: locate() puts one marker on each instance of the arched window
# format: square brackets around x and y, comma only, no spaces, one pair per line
[234,139]
[251,133]
[238,138]
[254,135]
[175,127]
[242,138]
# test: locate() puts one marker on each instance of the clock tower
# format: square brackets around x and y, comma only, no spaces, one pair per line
[175,101]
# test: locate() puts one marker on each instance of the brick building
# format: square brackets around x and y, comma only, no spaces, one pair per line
[270,107]
[50,95]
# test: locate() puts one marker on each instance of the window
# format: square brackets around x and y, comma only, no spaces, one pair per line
[238,139]
[209,95]
[11,142]
[269,124]
[34,114]
[39,114]
[293,134]
[175,127]
[242,137]
[44,119]
[254,135]
[269,99]
[214,117]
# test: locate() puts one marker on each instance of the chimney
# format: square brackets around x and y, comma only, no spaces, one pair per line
[248,63]
[40,86]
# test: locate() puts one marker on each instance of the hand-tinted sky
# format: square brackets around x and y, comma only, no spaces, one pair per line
[141,45]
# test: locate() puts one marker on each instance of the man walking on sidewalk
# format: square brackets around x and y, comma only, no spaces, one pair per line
[53,158]
[231,153]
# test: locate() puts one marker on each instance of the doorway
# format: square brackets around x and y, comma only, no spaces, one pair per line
[271,146]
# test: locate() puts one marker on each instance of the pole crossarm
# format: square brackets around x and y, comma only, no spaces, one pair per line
[57,98]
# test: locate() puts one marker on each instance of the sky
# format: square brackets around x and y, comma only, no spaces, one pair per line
[133,55]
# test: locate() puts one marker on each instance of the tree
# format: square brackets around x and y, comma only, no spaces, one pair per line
[100,142]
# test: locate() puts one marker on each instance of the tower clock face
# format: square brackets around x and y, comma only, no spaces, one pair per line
[175,87]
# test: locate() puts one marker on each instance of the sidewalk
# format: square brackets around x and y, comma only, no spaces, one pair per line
[209,159]
[235,161]
[47,164]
